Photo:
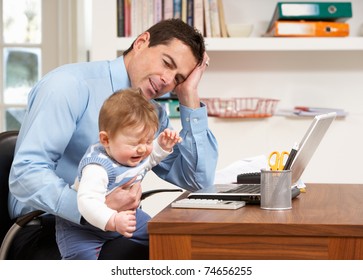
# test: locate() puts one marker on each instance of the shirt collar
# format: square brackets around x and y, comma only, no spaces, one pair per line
[119,77]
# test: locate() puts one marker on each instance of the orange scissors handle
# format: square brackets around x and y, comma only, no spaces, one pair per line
[277,160]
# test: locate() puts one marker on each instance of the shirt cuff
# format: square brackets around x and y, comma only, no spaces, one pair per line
[195,120]
[69,205]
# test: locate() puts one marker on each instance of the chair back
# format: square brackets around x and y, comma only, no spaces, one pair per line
[7,147]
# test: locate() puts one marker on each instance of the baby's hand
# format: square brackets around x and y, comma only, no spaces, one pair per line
[168,139]
[125,222]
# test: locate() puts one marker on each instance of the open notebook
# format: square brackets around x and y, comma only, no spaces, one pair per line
[251,192]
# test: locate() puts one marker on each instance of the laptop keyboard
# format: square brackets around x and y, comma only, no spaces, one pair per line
[245,188]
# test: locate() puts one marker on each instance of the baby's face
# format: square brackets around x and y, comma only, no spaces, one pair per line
[130,146]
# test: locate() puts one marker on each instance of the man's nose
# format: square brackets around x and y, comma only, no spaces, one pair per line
[168,77]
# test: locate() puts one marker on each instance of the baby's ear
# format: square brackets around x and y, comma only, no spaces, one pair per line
[104,139]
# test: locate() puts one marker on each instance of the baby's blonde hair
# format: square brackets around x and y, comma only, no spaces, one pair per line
[127,108]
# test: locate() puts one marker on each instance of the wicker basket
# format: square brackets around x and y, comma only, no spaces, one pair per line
[247,107]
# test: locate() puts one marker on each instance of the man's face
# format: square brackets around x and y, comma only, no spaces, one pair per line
[159,69]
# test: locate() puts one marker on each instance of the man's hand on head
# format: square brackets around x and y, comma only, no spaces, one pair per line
[187,92]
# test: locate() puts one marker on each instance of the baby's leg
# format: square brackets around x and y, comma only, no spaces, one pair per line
[141,234]
[80,242]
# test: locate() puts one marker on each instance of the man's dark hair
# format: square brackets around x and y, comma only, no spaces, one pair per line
[166,30]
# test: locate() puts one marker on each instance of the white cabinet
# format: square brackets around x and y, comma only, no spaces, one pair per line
[319,72]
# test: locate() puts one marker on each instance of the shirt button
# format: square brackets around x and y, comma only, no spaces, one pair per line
[195,120]
[187,119]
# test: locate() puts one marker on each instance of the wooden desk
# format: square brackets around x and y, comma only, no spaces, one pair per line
[326,222]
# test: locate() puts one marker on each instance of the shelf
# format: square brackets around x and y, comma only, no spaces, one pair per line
[285,44]
[273,44]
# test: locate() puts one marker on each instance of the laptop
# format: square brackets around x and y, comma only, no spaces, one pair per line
[251,192]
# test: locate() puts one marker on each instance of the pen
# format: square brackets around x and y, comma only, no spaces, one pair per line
[291,157]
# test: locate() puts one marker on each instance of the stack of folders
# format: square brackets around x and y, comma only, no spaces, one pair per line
[310,19]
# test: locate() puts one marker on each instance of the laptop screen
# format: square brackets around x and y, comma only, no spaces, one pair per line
[310,143]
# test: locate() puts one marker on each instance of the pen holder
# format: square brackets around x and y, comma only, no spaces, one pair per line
[276,189]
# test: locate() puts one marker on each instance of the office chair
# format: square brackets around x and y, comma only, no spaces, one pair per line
[8,229]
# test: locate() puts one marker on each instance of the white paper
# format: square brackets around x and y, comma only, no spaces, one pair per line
[229,174]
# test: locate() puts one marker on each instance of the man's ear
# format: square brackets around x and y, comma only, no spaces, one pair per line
[142,40]
[104,139]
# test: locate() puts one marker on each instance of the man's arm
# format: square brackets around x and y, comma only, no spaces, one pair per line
[44,135]
[193,162]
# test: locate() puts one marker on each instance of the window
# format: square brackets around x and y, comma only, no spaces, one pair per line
[33,42]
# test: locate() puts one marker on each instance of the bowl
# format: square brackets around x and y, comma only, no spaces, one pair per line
[239,29]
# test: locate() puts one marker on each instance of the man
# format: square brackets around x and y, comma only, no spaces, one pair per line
[61,122]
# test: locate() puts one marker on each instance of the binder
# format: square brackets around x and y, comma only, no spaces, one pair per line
[168,9]
[222,21]
[120,18]
[207,19]
[315,11]
[325,11]
[214,18]
[198,15]
[177,9]
[308,29]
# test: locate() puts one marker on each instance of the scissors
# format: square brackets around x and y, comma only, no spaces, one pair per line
[277,160]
